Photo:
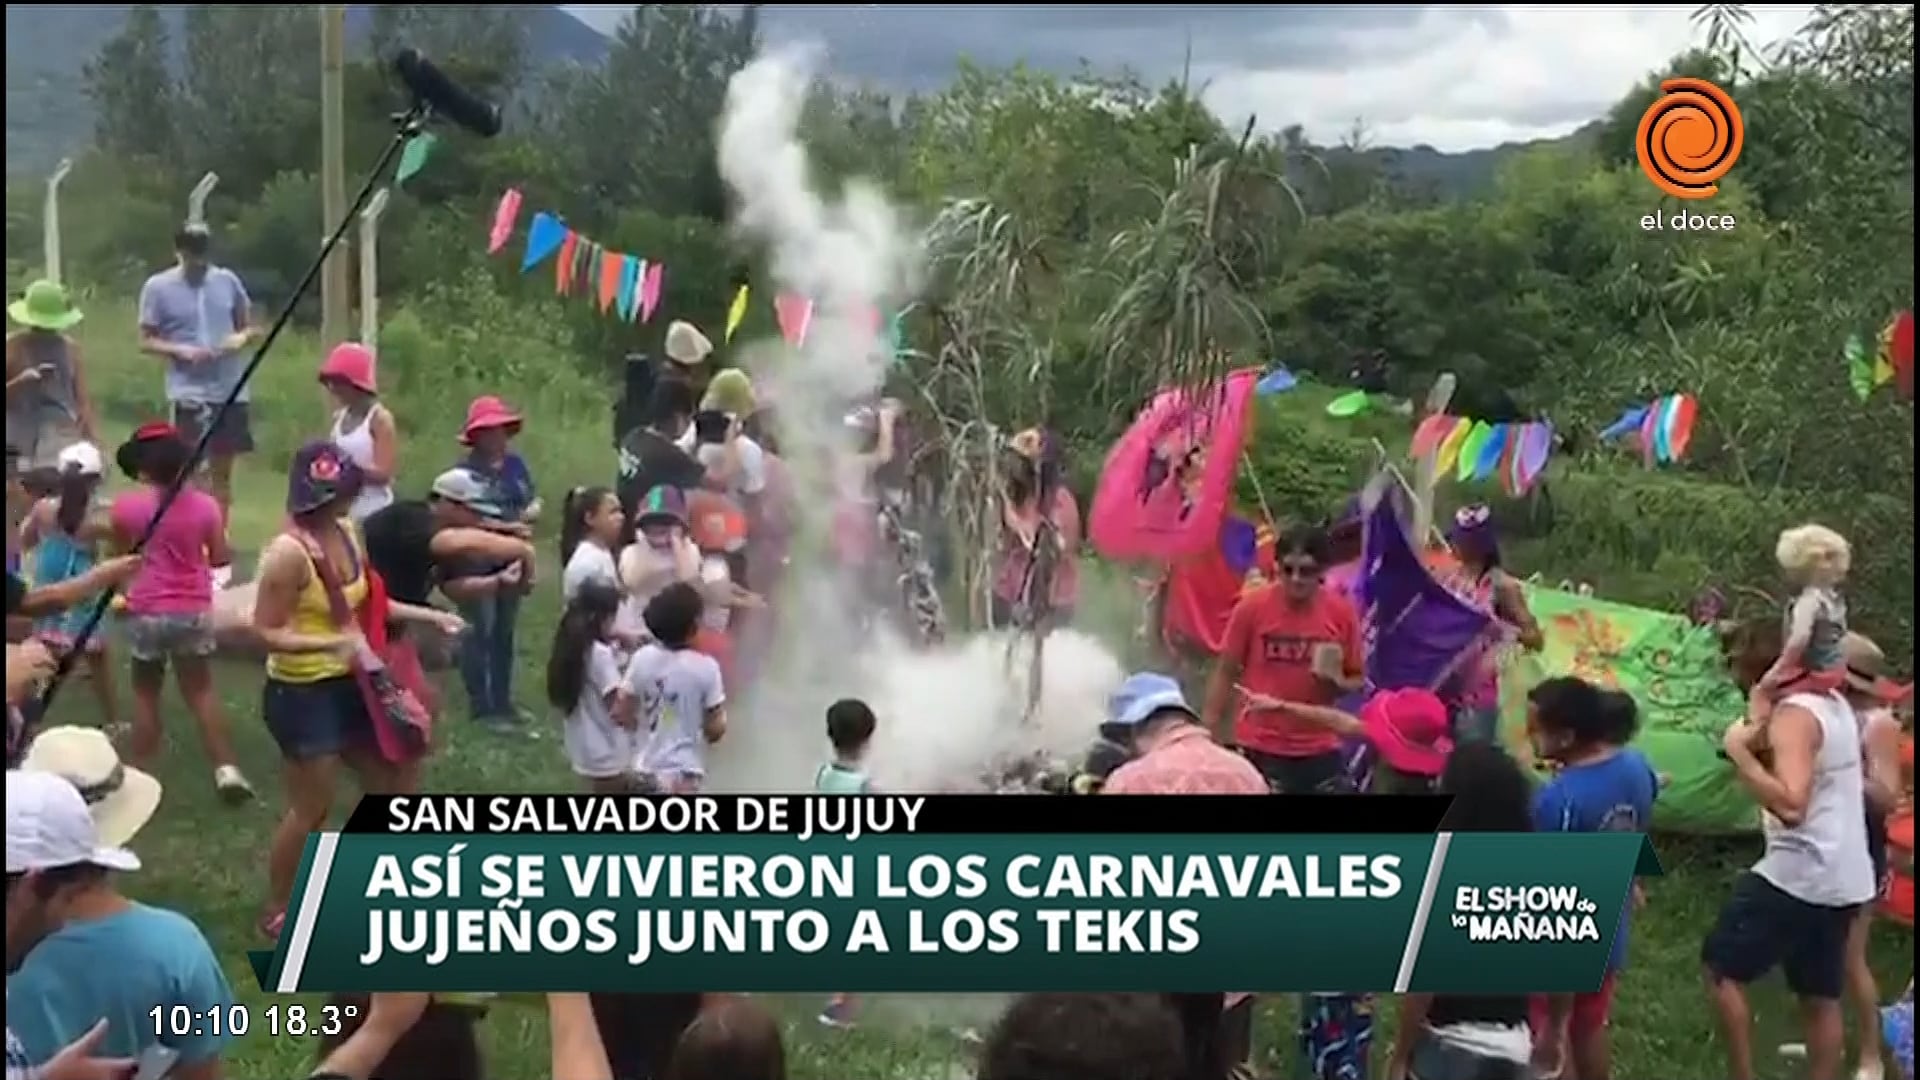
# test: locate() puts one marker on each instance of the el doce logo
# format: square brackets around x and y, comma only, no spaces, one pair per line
[1690,138]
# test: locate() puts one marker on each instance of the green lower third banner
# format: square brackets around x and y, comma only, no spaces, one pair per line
[1453,912]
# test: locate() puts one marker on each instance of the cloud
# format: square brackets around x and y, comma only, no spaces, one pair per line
[1456,78]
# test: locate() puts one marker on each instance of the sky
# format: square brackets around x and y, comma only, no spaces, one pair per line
[1455,78]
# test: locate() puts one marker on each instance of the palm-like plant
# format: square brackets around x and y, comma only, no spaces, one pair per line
[1180,310]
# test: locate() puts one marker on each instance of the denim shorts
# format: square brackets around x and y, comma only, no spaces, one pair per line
[153,638]
[317,719]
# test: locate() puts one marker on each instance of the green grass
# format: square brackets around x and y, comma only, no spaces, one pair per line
[208,860]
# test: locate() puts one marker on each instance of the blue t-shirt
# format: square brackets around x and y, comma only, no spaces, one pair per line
[118,968]
[1614,794]
[509,484]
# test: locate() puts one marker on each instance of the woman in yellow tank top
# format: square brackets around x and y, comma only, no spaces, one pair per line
[312,700]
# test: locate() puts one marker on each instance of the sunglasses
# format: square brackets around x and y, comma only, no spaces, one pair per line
[1300,571]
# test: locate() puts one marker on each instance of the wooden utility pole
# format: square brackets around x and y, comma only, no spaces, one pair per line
[336,297]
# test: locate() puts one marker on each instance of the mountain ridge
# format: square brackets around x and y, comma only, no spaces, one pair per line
[49,117]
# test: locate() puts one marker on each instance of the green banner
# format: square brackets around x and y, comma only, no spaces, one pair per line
[954,913]
[1677,674]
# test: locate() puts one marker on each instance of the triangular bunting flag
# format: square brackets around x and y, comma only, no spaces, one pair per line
[629,298]
[650,286]
[737,312]
[563,266]
[1680,433]
[1427,436]
[545,235]
[1647,425]
[1449,452]
[795,315]
[414,157]
[1536,447]
[1476,438]
[1488,467]
[639,289]
[505,216]
[1509,467]
[613,267]
[1859,368]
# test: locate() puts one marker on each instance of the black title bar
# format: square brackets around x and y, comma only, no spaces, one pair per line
[894,814]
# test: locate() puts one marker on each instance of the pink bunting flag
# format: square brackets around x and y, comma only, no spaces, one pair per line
[795,316]
[505,216]
[650,290]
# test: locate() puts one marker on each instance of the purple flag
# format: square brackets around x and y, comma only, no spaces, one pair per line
[1417,631]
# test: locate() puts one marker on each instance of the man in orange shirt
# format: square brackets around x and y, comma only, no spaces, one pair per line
[1294,640]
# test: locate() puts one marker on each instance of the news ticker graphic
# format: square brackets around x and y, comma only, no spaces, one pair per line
[930,894]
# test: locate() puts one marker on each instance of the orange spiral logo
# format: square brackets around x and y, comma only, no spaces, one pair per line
[1690,138]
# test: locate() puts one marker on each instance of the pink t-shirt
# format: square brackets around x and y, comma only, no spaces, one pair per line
[175,577]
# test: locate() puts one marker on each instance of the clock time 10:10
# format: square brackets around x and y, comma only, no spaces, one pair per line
[234,1021]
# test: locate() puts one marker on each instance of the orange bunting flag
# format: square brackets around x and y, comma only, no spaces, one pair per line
[563,266]
[612,268]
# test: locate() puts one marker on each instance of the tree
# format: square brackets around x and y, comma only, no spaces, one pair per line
[249,98]
[639,131]
[133,93]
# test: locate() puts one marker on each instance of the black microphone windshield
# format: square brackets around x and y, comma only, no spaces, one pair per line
[431,86]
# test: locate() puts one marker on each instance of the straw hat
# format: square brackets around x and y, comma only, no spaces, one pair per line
[121,799]
[44,306]
[686,345]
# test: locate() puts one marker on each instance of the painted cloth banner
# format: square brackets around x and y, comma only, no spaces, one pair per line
[1675,670]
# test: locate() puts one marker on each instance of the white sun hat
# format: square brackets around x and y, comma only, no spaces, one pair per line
[83,458]
[686,345]
[121,799]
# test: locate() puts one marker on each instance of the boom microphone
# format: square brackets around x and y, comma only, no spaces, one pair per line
[431,86]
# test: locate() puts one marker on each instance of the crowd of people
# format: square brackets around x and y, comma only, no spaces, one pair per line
[668,586]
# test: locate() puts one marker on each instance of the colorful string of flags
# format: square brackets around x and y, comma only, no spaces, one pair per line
[1892,362]
[1663,427]
[1515,454]
[629,286]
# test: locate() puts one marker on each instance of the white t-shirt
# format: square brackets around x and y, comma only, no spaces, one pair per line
[750,478]
[675,688]
[590,562]
[596,746]
[644,571]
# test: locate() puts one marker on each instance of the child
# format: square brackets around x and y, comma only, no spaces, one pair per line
[487,649]
[676,691]
[591,524]
[63,534]
[1401,749]
[583,678]
[169,615]
[1816,560]
[850,725]
[659,555]
[1601,785]
[718,529]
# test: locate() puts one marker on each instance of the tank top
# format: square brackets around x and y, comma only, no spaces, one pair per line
[313,614]
[357,443]
[45,412]
[1824,859]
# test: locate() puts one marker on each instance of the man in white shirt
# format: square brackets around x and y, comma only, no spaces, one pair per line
[1792,910]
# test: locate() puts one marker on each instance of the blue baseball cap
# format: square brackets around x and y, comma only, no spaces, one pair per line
[1142,695]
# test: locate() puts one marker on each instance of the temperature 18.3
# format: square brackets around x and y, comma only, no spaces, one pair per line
[325,1021]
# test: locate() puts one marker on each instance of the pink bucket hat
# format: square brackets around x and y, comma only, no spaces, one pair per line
[351,363]
[485,413]
[1409,730]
